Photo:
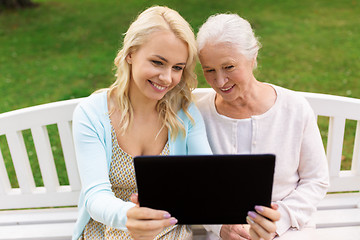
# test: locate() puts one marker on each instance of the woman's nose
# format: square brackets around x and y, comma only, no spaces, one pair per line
[221,79]
[165,76]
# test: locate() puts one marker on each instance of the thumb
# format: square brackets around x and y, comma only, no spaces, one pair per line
[274,206]
[135,198]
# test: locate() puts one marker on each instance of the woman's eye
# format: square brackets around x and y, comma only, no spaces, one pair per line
[209,70]
[157,62]
[178,68]
[229,67]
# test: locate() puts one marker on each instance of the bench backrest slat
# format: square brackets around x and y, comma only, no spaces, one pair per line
[335,144]
[21,161]
[45,158]
[4,179]
[65,132]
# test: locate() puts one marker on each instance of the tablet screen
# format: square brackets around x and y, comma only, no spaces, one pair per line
[205,189]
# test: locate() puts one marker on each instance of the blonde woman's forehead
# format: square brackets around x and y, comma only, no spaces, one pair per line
[167,45]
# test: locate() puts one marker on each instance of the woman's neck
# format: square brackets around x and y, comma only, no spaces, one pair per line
[141,105]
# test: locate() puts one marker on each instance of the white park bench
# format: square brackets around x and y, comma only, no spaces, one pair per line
[34,212]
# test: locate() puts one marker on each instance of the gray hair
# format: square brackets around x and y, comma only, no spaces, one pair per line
[232,29]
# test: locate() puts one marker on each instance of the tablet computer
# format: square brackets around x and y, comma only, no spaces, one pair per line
[205,189]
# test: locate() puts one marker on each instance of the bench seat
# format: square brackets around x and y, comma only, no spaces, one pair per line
[337,218]
[43,231]
[338,233]
[35,216]
[55,223]
[338,210]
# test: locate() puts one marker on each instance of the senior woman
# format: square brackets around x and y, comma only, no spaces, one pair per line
[246,116]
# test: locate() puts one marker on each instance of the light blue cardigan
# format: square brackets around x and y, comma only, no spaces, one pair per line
[93,147]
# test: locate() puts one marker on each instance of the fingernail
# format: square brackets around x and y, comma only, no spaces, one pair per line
[249,220]
[259,208]
[173,221]
[167,215]
[252,214]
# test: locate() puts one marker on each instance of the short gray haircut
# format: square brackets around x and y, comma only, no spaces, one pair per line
[231,29]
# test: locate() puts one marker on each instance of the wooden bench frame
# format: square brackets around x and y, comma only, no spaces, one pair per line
[53,206]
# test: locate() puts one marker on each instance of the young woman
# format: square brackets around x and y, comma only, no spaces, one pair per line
[146,111]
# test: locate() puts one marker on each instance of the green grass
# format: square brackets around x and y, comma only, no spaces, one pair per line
[65,49]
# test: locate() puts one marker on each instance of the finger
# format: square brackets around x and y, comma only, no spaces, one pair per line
[135,198]
[142,213]
[256,231]
[147,229]
[271,214]
[262,226]
[150,225]
[266,224]
[253,234]
[242,238]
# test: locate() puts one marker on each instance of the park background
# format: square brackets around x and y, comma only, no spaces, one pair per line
[64,49]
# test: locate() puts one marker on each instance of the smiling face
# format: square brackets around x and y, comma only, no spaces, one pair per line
[226,70]
[157,66]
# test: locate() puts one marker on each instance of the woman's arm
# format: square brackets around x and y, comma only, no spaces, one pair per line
[90,148]
[297,207]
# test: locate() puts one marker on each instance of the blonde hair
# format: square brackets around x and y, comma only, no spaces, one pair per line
[151,20]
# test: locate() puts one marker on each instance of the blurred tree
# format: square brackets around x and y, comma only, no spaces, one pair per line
[16,4]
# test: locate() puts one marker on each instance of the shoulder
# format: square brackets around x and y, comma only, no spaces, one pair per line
[291,98]
[293,102]
[96,99]
[91,118]
[192,110]
[93,105]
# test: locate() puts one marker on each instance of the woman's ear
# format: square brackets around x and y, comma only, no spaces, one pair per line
[253,64]
[128,58]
